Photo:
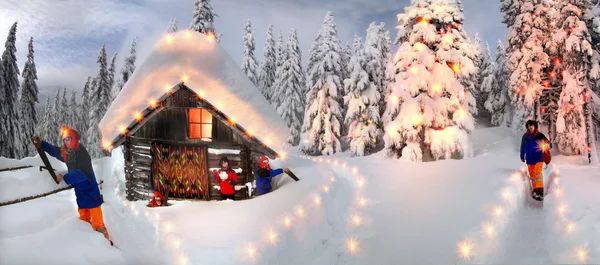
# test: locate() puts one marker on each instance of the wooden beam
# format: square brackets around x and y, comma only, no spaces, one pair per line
[40,195]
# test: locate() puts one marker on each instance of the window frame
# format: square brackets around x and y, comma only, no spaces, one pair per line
[201,123]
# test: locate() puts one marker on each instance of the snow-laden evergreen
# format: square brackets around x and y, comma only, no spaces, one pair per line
[100,101]
[11,135]
[204,18]
[279,59]
[268,66]
[29,96]
[172,26]
[45,131]
[428,115]
[323,115]
[574,125]
[84,110]
[485,80]
[357,45]
[527,35]
[470,82]
[73,115]
[111,79]
[362,98]
[376,61]
[498,102]
[249,65]
[127,70]
[64,110]
[291,82]
[346,54]
[54,124]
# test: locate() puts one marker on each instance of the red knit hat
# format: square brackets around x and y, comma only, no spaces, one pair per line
[263,162]
[70,134]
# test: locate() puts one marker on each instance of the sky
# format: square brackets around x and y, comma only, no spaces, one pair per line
[68,34]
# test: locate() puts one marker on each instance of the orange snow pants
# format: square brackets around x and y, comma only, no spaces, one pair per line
[94,217]
[535,174]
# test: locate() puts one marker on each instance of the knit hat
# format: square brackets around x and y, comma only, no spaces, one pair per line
[70,139]
[263,162]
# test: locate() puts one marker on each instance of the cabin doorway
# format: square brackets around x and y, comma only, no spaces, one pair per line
[180,170]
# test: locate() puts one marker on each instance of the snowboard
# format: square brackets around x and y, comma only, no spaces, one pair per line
[44,158]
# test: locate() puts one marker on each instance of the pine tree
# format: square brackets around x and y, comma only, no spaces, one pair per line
[45,130]
[84,109]
[291,80]
[375,47]
[470,82]
[281,54]
[574,124]
[323,116]
[172,26]
[528,28]
[73,117]
[101,104]
[29,96]
[64,109]
[249,61]
[485,81]
[11,135]
[346,54]
[357,45]
[127,70]
[428,113]
[55,120]
[204,18]
[111,79]
[362,99]
[268,66]
[498,102]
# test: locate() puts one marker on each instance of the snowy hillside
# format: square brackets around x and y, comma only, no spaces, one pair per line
[344,210]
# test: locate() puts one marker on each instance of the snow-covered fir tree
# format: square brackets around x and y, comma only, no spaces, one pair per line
[64,109]
[44,129]
[56,120]
[485,80]
[268,66]
[574,125]
[279,59]
[73,116]
[11,135]
[204,18]
[362,98]
[470,82]
[291,81]
[127,70]
[528,28]
[346,54]
[101,103]
[323,115]
[29,96]
[376,60]
[249,65]
[357,45]
[498,102]
[172,26]
[111,79]
[428,113]
[84,110]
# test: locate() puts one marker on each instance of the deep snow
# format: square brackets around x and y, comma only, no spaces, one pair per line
[414,213]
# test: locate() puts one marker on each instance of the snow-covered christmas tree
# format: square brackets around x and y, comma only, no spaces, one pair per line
[362,98]
[172,26]
[280,53]
[249,65]
[498,101]
[10,133]
[528,28]
[323,115]
[485,80]
[45,132]
[126,71]
[73,116]
[54,124]
[346,54]
[64,110]
[84,110]
[29,96]
[291,82]
[376,61]
[268,66]
[204,18]
[111,79]
[100,101]
[428,115]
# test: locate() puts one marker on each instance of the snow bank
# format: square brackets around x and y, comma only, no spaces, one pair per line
[205,67]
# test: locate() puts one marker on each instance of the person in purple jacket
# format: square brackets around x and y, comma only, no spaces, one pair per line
[264,174]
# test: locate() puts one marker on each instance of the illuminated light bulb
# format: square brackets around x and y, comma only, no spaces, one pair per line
[562,208]
[326,188]
[250,133]
[552,74]
[335,162]
[499,211]
[332,179]
[345,164]
[455,67]
[354,170]
[555,180]
[185,78]
[356,220]
[188,35]
[183,260]
[570,227]
[317,200]
[123,129]
[136,212]
[168,88]
[281,155]
[146,213]
[211,36]
[153,103]
[437,88]
[417,120]
[582,254]
[414,70]
[394,99]
[138,116]
[300,211]
[362,202]
[320,159]
[489,229]
[251,252]
[557,192]
[361,183]
[169,39]
[157,216]
[352,245]
[505,194]
[168,227]
[268,141]
[176,243]
[448,39]
[465,249]
[231,120]
[107,145]
[272,237]
[287,221]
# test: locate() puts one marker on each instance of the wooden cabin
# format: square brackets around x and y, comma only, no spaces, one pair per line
[173,136]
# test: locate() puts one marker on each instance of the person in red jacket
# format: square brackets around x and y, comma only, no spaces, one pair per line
[227,179]
[157,200]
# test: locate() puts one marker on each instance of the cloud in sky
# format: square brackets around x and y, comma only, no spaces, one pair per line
[68,33]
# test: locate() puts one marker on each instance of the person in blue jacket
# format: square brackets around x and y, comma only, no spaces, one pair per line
[264,174]
[533,146]
[80,175]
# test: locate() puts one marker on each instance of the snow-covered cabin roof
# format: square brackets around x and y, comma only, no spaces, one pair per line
[207,69]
